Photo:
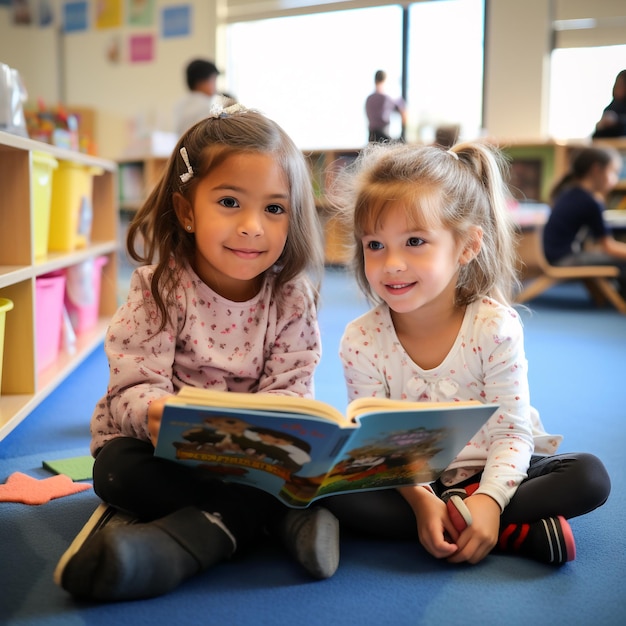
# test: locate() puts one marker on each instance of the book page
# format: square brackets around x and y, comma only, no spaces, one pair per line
[260,402]
[361,406]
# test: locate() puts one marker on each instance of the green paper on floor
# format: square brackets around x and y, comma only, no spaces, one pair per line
[77,468]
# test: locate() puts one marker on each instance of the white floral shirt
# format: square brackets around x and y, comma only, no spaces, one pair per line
[253,346]
[486,363]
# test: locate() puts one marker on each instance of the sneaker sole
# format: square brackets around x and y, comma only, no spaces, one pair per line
[318,537]
[458,513]
[561,538]
[104,515]
[568,538]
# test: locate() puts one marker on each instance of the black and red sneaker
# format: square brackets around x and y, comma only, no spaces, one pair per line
[549,540]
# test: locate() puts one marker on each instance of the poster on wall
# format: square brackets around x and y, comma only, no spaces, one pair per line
[22,12]
[74,17]
[141,48]
[108,14]
[114,49]
[140,12]
[45,14]
[176,21]
[31,12]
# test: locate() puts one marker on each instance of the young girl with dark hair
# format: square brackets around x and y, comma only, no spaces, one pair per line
[227,242]
[576,219]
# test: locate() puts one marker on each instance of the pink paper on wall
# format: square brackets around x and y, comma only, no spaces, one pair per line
[141,48]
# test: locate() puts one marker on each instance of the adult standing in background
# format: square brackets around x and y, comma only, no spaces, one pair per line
[379,106]
[196,105]
[613,120]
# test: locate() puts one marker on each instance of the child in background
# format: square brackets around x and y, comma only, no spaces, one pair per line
[232,229]
[576,217]
[434,249]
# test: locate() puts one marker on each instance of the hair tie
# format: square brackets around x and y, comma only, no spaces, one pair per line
[189,173]
[454,154]
[219,110]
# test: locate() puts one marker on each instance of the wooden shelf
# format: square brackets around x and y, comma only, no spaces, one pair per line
[545,162]
[536,167]
[137,177]
[617,197]
[24,384]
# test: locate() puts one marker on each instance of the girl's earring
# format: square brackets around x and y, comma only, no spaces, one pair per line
[188,227]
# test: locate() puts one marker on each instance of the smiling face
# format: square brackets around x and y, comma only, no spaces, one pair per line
[410,266]
[240,220]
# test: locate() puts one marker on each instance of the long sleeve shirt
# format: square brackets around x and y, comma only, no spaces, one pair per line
[268,344]
[486,363]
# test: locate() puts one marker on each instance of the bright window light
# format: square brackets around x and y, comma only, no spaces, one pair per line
[446,52]
[581,84]
[312,73]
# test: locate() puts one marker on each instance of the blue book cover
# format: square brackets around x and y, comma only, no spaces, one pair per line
[300,449]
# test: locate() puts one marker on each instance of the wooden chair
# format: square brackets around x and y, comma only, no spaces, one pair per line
[596,278]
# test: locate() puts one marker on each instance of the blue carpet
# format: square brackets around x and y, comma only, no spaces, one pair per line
[577,358]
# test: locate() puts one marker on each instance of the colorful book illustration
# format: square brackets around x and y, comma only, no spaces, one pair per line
[301,449]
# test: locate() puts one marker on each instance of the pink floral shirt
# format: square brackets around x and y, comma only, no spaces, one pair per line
[253,346]
[486,363]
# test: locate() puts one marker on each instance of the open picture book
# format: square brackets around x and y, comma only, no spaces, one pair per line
[300,449]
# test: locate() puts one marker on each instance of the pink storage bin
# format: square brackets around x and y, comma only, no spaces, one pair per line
[82,293]
[49,292]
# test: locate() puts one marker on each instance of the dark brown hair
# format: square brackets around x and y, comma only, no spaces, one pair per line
[156,236]
[582,165]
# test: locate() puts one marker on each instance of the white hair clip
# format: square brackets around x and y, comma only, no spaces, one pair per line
[454,154]
[189,173]
[218,109]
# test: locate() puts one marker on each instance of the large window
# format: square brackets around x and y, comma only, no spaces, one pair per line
[313,73]
[581,84]
[445,74]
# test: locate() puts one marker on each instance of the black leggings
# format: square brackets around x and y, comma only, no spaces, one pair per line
[127,475]
[563,484]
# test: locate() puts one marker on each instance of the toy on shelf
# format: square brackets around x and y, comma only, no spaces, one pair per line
[59,127]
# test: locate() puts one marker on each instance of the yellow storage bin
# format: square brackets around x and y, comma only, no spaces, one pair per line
[43,165]
[5,306]
[71,207]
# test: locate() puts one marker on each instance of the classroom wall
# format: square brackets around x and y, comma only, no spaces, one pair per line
[78,69]
[517,65]
[33,51]
[134,97]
